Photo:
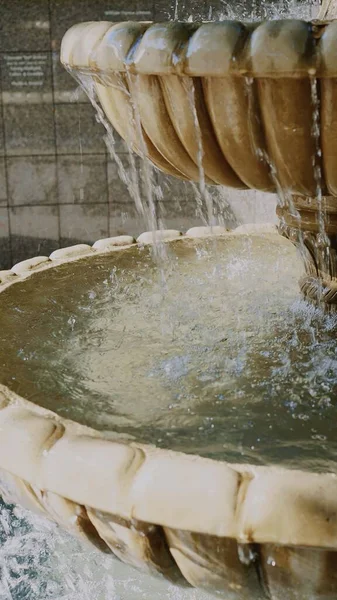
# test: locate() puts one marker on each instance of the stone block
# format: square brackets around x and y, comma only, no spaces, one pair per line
[34,231]
[198,11]
[135,10]
[124,220]
[29,129]
[32,180]
[77,131]
[121,177]
[251,206]
[2,141]
[82,179]
[4,227]
[83,223]
[26,26]
[3,183]
[5,262]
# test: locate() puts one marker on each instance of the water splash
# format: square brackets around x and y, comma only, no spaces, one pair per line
[284,196]
[87,83]
[223,344]
[140,180]
[39,561]
[323,242]
[257,11]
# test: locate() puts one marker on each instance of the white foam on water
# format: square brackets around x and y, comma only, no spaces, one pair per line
[39,561]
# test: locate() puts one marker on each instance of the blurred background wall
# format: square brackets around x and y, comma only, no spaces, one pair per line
[58,185]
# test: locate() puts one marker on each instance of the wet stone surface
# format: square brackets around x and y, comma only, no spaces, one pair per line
[212,353]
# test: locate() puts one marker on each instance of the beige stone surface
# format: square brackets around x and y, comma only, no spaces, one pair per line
[214,563]
[162,87]
[138,544]
[215,525]
[303,572]
[238,530]
[197,232]
[14,489]
[162,235]
[30,263]
[178,74]
[279,504]
[71,252]
[113,242]
[6,276]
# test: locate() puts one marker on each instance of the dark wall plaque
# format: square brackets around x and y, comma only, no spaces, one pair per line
[26,78]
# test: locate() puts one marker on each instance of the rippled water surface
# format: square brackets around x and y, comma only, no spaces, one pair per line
[213,353]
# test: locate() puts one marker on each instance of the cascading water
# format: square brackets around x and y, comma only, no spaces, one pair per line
[221,340]
[323,242]
[142,183]
[39,561]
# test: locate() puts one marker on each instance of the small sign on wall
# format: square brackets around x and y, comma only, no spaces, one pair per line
[26,78]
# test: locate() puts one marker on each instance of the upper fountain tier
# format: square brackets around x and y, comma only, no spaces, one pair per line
[259,99]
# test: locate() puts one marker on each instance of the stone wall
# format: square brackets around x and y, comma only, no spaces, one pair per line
[57,183]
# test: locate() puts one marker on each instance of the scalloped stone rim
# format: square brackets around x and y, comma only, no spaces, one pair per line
[276,48]
[94,486]
[112,244]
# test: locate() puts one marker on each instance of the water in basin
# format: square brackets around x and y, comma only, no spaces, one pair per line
[211,352]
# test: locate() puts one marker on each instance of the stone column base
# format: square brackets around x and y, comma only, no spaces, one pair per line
[302,224]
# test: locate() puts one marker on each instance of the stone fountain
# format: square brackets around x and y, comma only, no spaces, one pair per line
[246,105]
[150,467]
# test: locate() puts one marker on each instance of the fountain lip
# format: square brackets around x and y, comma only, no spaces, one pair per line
[272,49]
[252,504]
[77,252]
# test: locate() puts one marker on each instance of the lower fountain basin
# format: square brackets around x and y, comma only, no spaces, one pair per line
[179,413]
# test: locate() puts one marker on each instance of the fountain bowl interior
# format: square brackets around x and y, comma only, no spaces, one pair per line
[195,513]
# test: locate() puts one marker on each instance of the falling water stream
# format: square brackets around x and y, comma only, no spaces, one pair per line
[323,243]
[206,198]
[210,338]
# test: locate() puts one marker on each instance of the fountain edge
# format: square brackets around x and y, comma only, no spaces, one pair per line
[46,455]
